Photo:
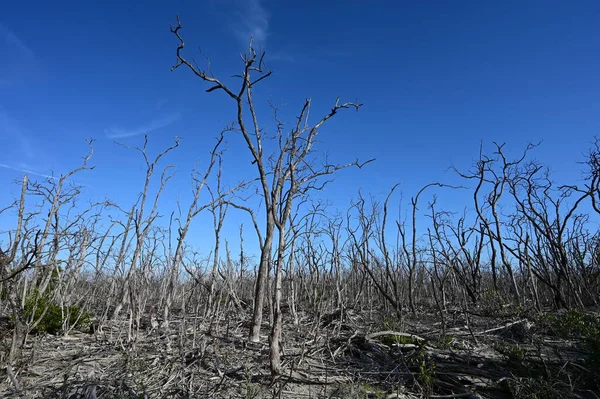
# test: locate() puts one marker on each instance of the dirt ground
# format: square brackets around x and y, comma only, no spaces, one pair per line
[344,354]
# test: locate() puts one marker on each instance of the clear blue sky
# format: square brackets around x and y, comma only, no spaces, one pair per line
[436,78]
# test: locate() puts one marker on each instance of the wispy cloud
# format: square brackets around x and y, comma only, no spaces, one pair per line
[161,103]
[15,135]
[18,60]
[13,40]
[252,20]
[20,168]
[155,124]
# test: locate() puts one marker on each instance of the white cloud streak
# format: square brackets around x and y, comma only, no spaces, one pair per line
[26,170]
[11,39]
[155,124]
[253,20]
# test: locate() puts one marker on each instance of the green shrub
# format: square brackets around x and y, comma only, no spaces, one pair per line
[513,352]
[427,375]
[580,326]
[573,324]
[393,339]
[444,341]
[391,323]
[52,316]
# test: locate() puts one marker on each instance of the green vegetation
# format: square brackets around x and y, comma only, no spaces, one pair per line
[391,340]
[369,391]
[579,326]
[514,353]
[572,324]
[427,375]
[358,391]
[391,323]
[444,341]
[53,317]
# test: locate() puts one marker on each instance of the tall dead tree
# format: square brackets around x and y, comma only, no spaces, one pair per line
[33,247]
[199,182]
[552,215]
[495,173]
[143,222]
[10,271]
[283,176]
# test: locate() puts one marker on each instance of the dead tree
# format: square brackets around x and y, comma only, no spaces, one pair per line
[35,247]
[218,209]
[283,176]
[363,238]
[11,271]
[195,208]
[495,173]
[334,230]
[142,222]
[438,252]
[592,175]
[411,250]
[551,217]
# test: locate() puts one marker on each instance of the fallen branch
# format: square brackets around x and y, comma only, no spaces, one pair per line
[393,333]
[504,327]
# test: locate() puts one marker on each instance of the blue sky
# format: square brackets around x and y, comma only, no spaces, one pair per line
[435,77]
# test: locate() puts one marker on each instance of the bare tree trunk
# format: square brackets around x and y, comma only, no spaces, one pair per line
[275,356]
[142,222]
[261,282]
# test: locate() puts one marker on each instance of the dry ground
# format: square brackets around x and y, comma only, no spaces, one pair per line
[348,354]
